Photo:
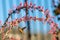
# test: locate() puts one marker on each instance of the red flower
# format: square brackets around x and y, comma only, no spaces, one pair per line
[39,7]
[30,17]
[30,4]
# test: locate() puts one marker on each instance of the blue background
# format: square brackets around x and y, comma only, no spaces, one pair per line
[36,26]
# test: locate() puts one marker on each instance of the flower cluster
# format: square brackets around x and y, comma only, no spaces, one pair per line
[48,19]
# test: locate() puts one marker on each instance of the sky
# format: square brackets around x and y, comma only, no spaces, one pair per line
[35,26]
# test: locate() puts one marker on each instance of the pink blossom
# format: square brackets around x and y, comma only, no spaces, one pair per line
[20,3]
[46,12]
[25,4]
[10,11]
[39,7]
[31,4]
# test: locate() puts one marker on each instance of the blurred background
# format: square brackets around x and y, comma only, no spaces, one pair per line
[39,31]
